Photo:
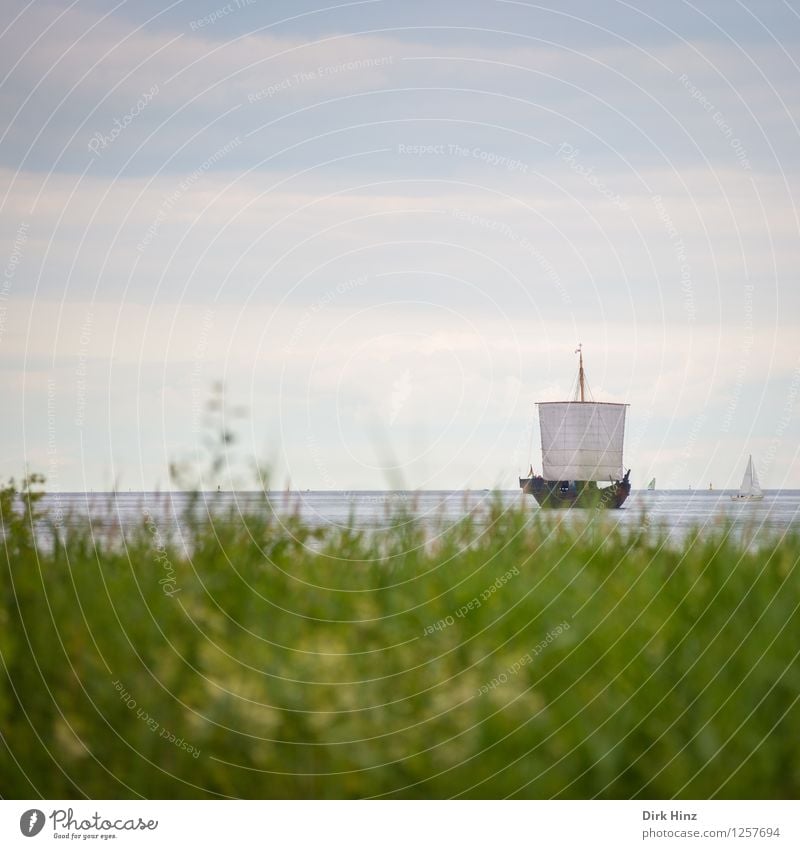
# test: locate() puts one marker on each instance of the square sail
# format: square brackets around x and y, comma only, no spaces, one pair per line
[582,440]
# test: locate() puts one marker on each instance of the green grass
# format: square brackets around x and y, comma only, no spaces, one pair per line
[288,672]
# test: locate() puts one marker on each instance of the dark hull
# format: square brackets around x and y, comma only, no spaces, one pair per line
[556,494]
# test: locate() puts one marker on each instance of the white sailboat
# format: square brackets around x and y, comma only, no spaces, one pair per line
[652,485]
[750,490]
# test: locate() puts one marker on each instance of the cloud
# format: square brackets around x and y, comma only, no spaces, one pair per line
[410,225]
[621,99]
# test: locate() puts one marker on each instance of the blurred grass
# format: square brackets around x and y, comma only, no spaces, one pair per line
[296,661]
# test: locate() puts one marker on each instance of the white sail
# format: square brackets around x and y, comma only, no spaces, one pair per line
[750,483]
[582,440]
[652,484]
[756,483]
[747,480]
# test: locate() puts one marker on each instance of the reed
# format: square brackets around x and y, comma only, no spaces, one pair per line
[515,656]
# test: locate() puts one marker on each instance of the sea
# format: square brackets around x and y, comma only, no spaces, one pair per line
[675,512]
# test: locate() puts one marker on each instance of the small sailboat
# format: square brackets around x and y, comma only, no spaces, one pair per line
[750,490]
[652,485]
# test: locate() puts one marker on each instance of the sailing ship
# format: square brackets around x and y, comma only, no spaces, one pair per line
[581,447]
[750,490]
[652,485]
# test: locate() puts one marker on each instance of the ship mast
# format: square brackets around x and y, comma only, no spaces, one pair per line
[581,381]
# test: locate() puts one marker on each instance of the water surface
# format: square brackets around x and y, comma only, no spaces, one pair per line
[676,511]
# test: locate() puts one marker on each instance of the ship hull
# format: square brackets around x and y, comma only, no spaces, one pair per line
[582,494]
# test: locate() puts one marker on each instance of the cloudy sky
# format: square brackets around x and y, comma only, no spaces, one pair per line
[384,226]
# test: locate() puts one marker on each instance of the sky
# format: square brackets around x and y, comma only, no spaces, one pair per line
[363,239]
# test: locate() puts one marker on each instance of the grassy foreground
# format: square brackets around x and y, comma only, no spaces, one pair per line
[523,659]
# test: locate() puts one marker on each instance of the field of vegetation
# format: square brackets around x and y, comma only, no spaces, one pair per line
[514,657]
